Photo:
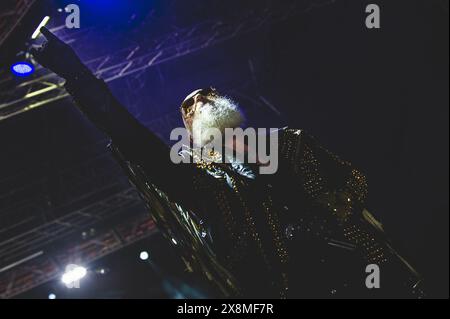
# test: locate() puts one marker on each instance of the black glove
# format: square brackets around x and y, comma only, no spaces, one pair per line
[59,57]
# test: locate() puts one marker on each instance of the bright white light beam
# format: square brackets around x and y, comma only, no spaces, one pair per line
[38,29]
[74,275]
[144,255]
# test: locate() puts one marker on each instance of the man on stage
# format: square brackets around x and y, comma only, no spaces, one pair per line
[302,232]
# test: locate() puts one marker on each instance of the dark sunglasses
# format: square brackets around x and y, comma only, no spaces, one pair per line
[187,104]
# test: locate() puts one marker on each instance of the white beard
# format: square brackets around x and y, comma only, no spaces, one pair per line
[220,113]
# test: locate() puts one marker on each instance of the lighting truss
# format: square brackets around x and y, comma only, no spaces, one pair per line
[48,88]
[45,266]
[9,19]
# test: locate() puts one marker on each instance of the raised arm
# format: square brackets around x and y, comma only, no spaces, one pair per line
[95,100]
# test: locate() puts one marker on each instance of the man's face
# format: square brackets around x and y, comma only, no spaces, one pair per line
[190,108]
[205,109]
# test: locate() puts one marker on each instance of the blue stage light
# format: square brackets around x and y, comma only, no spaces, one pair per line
[22,68]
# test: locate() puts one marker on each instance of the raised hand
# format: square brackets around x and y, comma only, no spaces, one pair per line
[57,56]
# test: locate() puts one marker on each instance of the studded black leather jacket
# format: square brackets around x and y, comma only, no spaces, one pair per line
[303,232]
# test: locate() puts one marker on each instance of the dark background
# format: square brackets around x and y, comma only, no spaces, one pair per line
[378,98]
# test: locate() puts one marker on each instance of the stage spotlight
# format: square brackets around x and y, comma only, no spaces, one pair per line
[73,274]
[38,29]
[51,296]
[144,255]
[22,69]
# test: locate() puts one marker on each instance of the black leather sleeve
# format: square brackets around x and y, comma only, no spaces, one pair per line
[136,142]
